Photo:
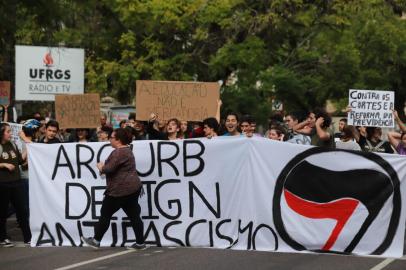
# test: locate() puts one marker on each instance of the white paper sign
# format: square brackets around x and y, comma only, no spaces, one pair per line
[239,193]
[371,108]
[15,134]
[43,72]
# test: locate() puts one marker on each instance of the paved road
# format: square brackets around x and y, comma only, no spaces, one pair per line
[180,258]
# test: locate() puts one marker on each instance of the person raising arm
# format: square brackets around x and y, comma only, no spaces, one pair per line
[401,125]
[306,126]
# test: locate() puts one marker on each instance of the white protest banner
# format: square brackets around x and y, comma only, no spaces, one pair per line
[300,139]
[371,108]
[239,193]
[43,72]
[15,134]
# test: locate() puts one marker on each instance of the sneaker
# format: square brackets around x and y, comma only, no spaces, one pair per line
[27,244]
[6,243]
[91,242]
[137,246]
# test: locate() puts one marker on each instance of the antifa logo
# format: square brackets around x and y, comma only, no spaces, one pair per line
[321,193]
[48,60]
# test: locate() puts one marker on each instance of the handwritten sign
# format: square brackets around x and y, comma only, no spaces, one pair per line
[371,108]
[78,111]
[15,135]
[190,101]
[277,105]
[4,93]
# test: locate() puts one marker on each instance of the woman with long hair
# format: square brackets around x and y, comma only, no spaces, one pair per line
[11,187]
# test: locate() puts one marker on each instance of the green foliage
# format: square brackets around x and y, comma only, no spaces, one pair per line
[299,52]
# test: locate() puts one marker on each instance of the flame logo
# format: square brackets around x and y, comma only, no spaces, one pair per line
[48,60]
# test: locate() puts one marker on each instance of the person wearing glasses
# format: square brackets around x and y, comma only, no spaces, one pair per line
[122,191]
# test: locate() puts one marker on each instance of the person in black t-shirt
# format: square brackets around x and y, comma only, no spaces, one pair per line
[11,187]
[373,143]
[51,130]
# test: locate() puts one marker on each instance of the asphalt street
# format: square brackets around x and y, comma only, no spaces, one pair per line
[64,258]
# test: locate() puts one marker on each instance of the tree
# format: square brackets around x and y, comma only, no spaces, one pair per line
[301,52]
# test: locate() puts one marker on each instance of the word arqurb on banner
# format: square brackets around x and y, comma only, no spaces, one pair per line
[239,193]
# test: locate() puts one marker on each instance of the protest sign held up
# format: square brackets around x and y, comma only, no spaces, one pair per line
[15,134]
[78,111]
[192,101]
[4,93]
[371,108]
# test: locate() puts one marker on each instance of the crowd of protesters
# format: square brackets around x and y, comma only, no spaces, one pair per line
[313,128]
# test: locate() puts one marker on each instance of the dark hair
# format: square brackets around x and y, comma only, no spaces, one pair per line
[122,122]
[348,132]
[247,118]
[52,123]
[2,130]
[234,114]
[131,116]
[107,130]
[211,122]
[29,132]
[177,122]
[276,117]
[123,135]
[279,129]
[82,129]
[131,130]
[370,132]
[322,113]
[293,116]
[344,120]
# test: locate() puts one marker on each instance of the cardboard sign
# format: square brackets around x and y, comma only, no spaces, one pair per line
[4,93]
[189,101]
[78,111]
[371,108]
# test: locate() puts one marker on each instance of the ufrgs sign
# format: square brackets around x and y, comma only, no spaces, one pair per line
[43,72]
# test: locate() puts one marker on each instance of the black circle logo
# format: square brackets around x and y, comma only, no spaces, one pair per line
[318,192]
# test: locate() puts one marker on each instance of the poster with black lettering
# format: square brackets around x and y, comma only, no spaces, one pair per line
[43,72]
[189,101]
[238,193]
[371,108]
[78,111]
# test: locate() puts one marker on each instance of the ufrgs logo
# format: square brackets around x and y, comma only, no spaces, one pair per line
[49,73]
[313,192]
[48,60]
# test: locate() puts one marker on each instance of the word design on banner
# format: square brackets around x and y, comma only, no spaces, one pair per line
[301,199]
